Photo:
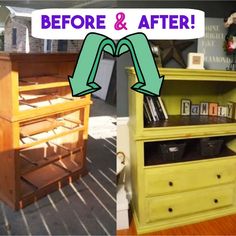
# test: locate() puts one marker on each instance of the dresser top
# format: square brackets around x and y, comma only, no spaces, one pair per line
[193,74]
[60,56]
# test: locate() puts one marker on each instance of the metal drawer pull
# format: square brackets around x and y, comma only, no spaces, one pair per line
[170,209]
[218,176]
[215,200]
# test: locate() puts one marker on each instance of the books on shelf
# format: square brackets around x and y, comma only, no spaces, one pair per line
[147,112]
[163,108]
[154,109]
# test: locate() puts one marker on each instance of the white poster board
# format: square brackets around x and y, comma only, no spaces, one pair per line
[103,77]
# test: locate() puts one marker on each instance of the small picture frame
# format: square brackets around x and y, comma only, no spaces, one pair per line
[195,61]
[185,107]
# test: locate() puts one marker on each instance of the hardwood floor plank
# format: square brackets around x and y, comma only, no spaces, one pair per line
[221,226]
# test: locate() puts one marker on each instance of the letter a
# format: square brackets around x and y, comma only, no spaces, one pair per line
[143,23]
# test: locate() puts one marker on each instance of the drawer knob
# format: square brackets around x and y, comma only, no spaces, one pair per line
[218,176]
[216,201]
[171,184]
[170,209]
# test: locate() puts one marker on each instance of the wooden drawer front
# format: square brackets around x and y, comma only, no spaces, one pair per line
[171,179]
[180,204]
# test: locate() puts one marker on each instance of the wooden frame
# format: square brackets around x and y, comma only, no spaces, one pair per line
[195,61]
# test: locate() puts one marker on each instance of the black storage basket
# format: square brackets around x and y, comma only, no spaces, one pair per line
[210,147]
[172,151]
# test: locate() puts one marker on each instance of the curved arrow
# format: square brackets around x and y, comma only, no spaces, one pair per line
[82,81]
[149,79]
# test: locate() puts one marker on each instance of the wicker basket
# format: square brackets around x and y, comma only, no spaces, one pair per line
[172,151]
[210,147]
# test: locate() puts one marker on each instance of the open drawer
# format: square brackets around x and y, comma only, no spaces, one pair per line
[56,151]
[46,95]
[58,126]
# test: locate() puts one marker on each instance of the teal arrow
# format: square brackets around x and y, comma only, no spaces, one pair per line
[82,81]
[149,79]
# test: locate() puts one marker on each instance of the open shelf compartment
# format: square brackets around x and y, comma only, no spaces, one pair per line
[184,150]
[42,82]
[40,98]
[50,152]
[50,162]
[45,129]
[173,92]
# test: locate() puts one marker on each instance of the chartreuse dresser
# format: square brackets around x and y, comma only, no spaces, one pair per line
[193,188]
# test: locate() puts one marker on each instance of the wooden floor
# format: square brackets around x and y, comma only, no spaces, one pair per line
[220,226]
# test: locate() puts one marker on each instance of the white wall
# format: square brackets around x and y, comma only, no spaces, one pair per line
[123,146]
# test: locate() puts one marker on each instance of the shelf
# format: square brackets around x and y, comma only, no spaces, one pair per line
[152,154]
[41,82]
[44,176]
[178,120]
[72,163]
[26,188]
[182,127]
[39,127]
[44,131]
[32,101]
[40,105]
[42,155]
[30,193]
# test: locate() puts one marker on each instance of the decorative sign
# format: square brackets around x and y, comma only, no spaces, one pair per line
[208,108]
[155,23]
[133,28]
[212,44]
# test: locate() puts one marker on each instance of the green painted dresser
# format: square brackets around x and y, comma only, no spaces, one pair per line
[170,194]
